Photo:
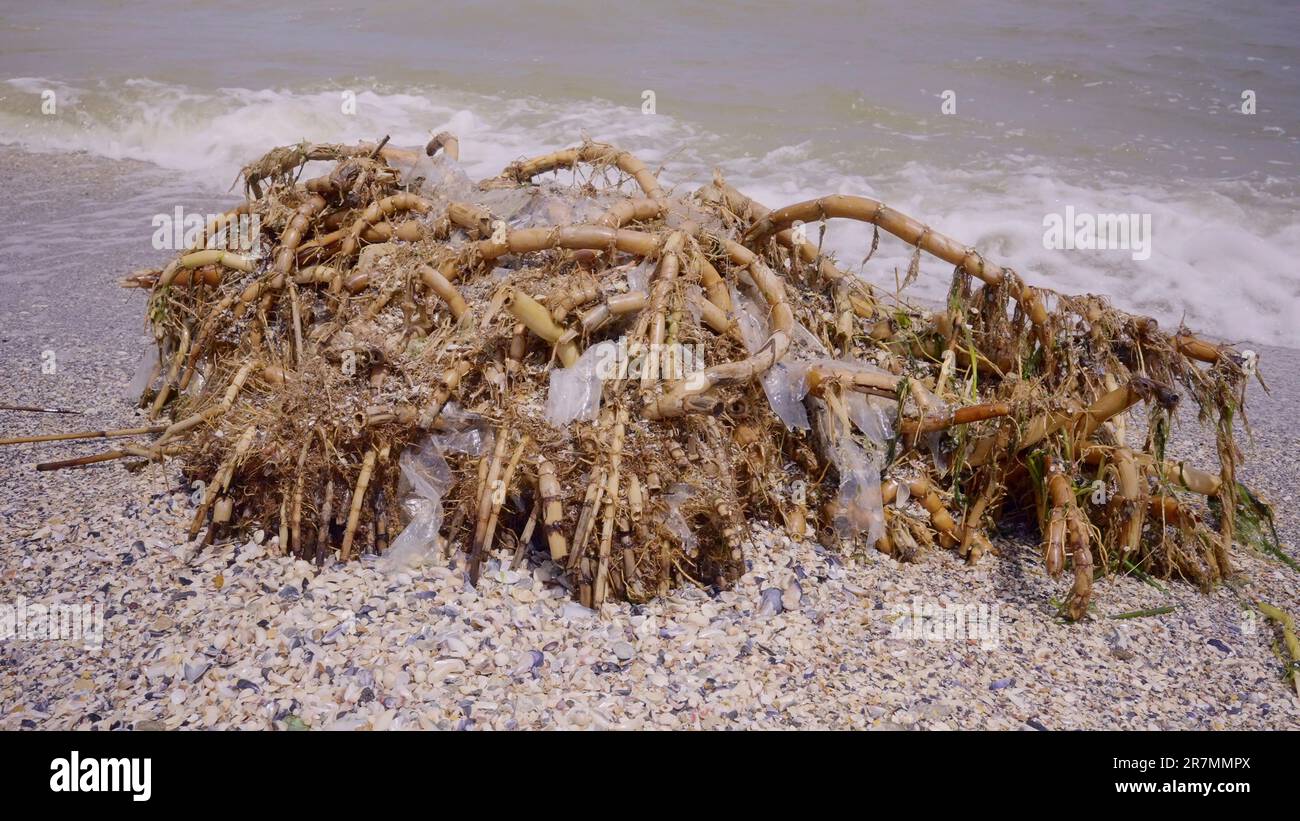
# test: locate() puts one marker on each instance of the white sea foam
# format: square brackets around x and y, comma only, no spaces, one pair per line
[1222,255]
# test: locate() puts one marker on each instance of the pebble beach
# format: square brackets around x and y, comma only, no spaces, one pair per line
[234,636]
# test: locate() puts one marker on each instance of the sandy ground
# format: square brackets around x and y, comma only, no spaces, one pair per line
[234,638]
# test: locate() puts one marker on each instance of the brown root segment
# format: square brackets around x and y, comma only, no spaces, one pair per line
[961,416]
[618,380]
[570,237]
[1127,504]
[905,228]
[446,142]
[1067,535]
[88,434]
[358,496]
[591,153]
[548,489]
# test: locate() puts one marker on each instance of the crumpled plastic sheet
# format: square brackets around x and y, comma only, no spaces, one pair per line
[874,416]
[934,439]
[574,392]
[444,179]
[675,521]
[532,208]
[861,506]
[143,371]
[426,478]
[509,204]
[694,293]
[638,277]
[786,383]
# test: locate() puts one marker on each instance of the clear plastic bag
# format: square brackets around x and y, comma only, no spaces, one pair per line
[786,382]
[574,392]
[873,415]
[675,521]
[443,179]
[426,478]
[145,375]
[861,508]
[934,439]
[510,205]
[638,276]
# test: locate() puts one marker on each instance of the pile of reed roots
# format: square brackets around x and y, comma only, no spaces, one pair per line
[622,379]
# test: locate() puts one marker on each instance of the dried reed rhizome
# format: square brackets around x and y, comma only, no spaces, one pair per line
[621,380]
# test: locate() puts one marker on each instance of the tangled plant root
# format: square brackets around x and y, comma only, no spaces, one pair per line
[409,338]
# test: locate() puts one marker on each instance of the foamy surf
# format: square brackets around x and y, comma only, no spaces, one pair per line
[1220,254]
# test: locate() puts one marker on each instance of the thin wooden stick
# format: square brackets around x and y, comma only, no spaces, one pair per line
[30,409]
[295,313]
[436,282]
[905,228]
[593,153]
[221,479]
[83,460]
[450,381]
[961,416]
[85,434]
[538,320]
[586,519]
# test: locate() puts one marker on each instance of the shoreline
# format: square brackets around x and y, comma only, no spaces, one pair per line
[353,648]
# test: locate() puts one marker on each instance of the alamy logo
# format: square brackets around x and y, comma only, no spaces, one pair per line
[75,774]
[182,230]
[930,621]
[1098,232]
[672,361]
[32,621]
